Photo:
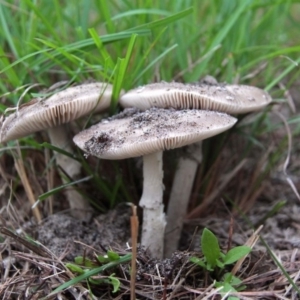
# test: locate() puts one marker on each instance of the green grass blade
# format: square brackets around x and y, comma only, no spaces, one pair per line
[280,266]
[166,21]
[141,61]
[159,57]
[218,39]
[141,11]
[103,7]
[7,32]
[61,187]
[104,53]
[283,74]
[43,19]
[121,68]
[75,47]
[58,150]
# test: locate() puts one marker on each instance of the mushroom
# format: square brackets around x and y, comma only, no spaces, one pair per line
[148,134]
[52,113]
[209,95]
[235,99]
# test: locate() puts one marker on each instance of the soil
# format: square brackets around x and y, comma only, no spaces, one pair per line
[67,237]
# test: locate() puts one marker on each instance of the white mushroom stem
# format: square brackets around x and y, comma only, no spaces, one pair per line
[152,203]
[78,204]
[180,196]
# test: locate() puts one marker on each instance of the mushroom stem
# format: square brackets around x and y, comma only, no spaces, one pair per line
[180,196]
[59,138]
[152,203]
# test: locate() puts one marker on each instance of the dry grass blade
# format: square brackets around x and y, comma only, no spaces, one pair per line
[134,224]
[208,289]
[50,180]
[208,200]
[287,160]
[23,176]
[288,97]
[250,242]
[28,244]
[208,293]
[252,193]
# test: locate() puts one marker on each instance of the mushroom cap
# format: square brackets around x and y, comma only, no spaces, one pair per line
[132,133]
[221,97]
[62,107]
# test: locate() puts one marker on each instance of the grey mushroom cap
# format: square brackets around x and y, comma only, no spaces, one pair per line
[234,99]
[133,134]
[62,107]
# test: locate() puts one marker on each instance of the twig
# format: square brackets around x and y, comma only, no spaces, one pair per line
[23,176]
[28,244]
[225,180]
[134,224]
[251,242]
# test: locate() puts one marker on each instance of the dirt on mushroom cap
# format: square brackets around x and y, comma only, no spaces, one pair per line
[134,133]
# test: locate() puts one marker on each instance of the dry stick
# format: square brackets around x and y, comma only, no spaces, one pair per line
[50,179]
[250,242]
[28,244]
[251,193]
[23,176]
[287,160]
[134,225]
[226,178]
[230,234]
[289,98]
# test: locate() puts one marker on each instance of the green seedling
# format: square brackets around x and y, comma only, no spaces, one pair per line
[85,266]
[229,284]
[215,259]
[111,279]
[109,257]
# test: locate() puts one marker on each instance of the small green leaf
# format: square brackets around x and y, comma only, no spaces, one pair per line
[123,259]
[74,268]
[219,264]
[79,260]
[113,255]
[233,280]
[226,288]
[103,259]
[209,267]
[96,281]
[198,261]
[115,283]
[210,247]
[235,254]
